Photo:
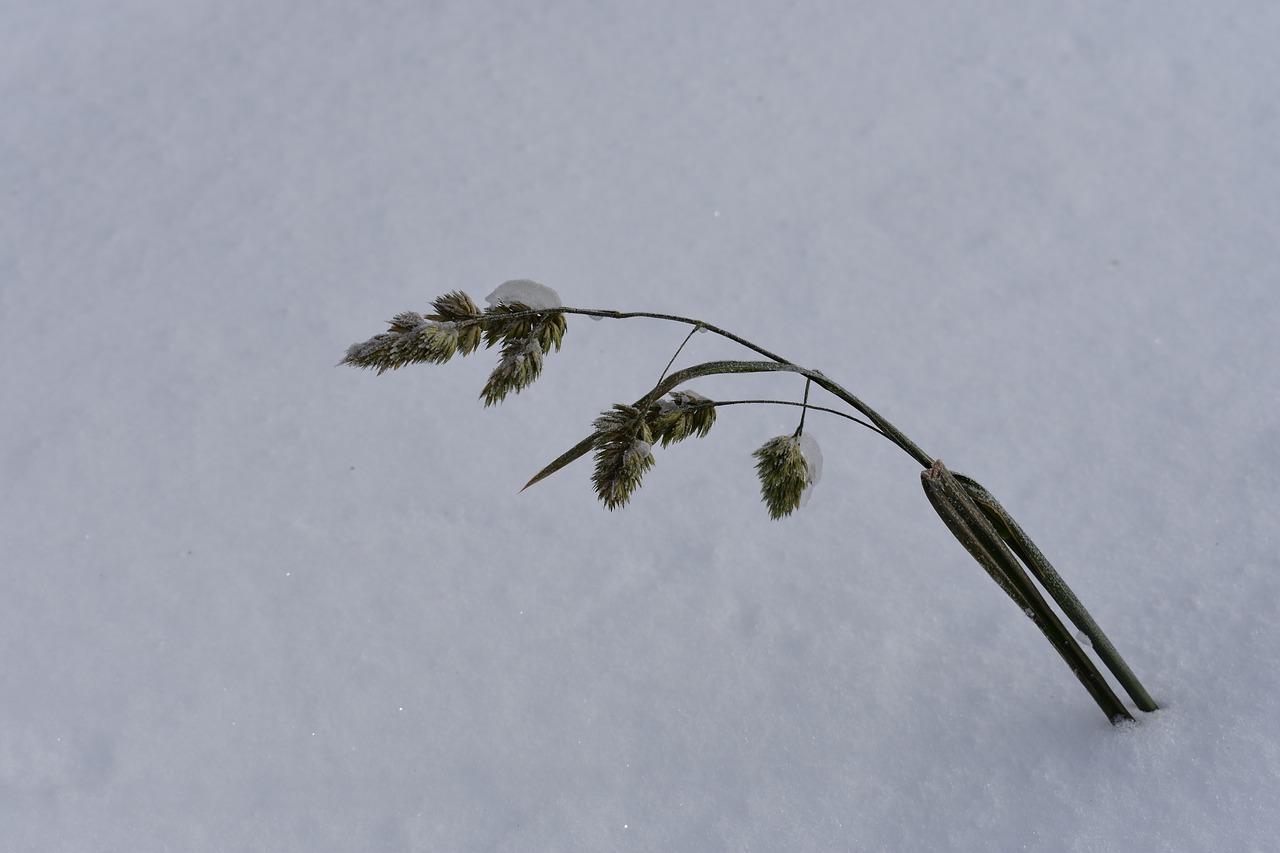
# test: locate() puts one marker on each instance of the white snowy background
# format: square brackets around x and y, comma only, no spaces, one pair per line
[253,601]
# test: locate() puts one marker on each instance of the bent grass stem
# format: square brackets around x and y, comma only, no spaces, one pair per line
[977,520]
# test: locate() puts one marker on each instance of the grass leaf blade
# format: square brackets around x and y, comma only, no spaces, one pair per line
[580,449]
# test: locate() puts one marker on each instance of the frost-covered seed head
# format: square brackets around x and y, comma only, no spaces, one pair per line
[784,474]
[504,322]
[520,365]
[623,453]
[680,415]
[456,308]
[411,339]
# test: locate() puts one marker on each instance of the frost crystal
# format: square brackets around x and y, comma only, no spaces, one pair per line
[537,296]
[813,462]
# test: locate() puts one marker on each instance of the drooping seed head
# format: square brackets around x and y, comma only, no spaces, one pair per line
[784,474]
[623,454]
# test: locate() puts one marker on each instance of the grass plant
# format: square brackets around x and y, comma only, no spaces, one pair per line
[526,321]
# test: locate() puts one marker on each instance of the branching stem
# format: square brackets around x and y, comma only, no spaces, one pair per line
[776,363]
[804,408]
[721,403]
[712,368]
[676,354]
[972,514]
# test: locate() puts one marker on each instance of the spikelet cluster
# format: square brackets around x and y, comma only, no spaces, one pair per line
[500,326]
[411,339]
[414,339]
[680,415]
[458,327]
[784,474]
[456,307]
[623,452]
[520,365]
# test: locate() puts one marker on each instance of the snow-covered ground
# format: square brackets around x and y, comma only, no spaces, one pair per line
[251,601]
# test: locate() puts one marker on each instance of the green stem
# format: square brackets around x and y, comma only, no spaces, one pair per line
[776,363]
[676,354]
[717,404]
[1049,578]
[975,532]
[712,368]
[804,408]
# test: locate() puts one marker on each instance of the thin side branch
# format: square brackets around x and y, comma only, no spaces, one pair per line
[712,368]
[719,403]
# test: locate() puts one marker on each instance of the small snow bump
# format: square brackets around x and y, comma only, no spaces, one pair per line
[813,459]
[526,292]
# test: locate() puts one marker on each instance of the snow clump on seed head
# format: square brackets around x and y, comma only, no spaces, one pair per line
[523,291]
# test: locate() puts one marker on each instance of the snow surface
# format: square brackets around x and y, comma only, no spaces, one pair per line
[253,602]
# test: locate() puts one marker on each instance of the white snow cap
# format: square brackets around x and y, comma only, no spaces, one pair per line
[526,292]
[640,449]
[813,458]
